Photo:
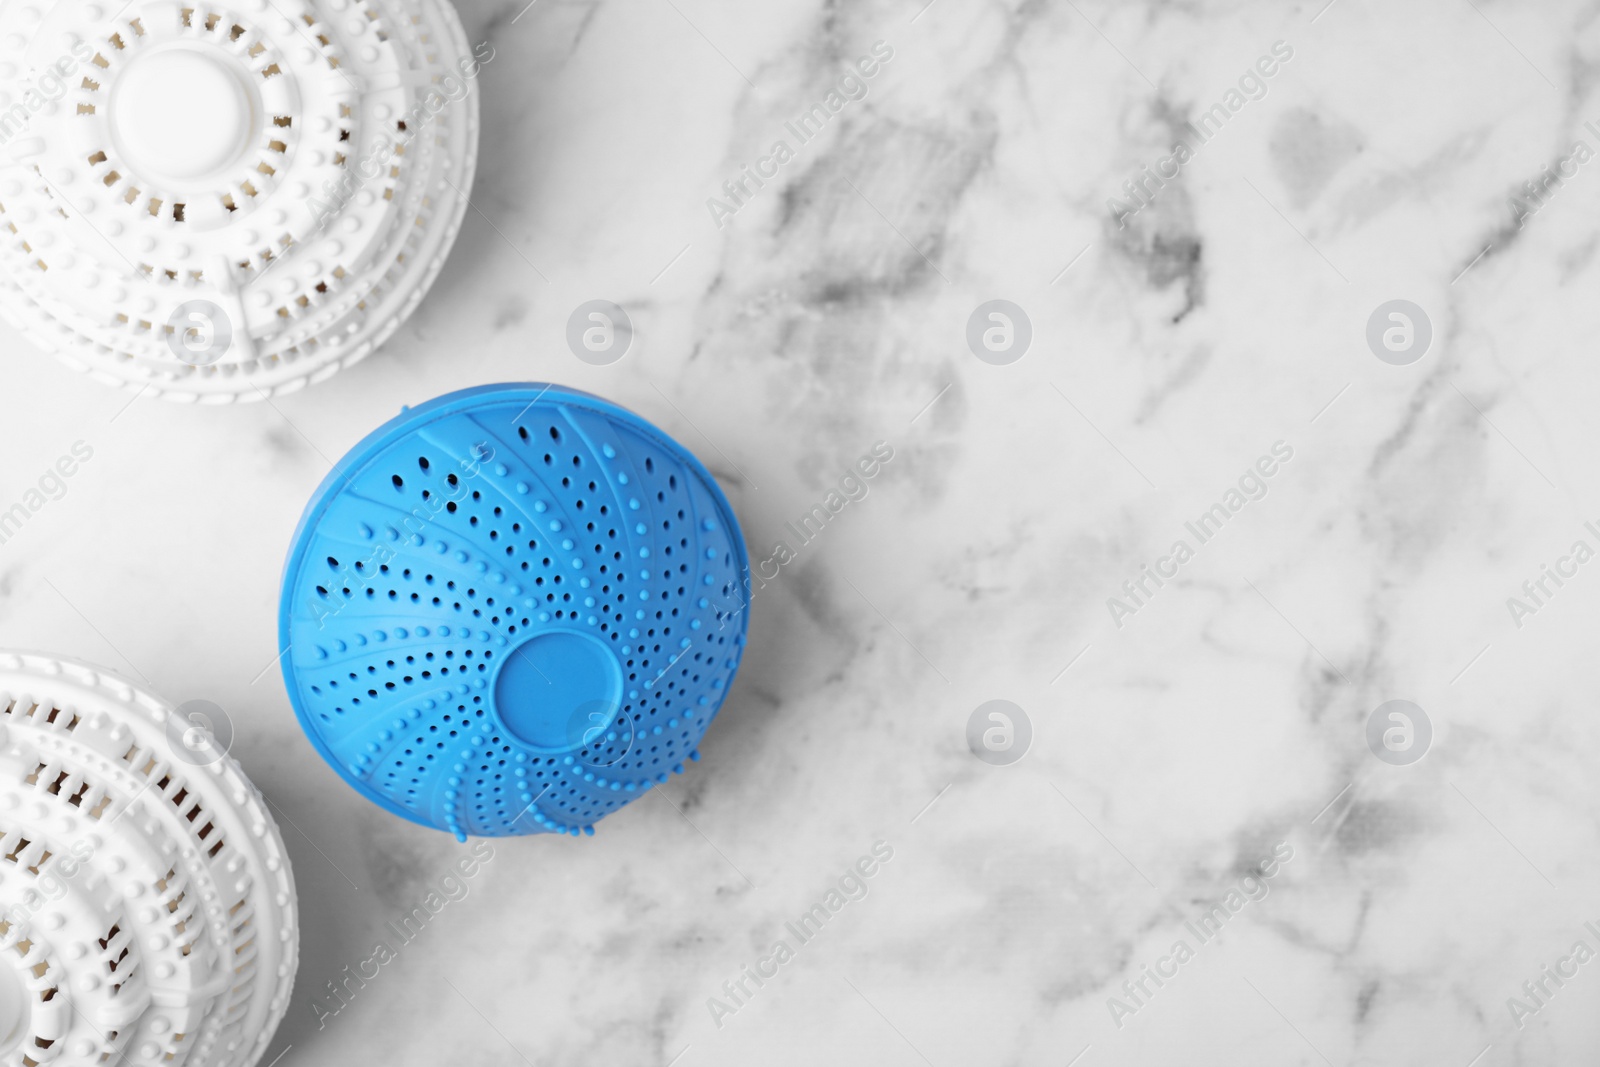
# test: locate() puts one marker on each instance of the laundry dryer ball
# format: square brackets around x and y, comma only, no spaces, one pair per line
[147,910]
[513,610]
[218,202]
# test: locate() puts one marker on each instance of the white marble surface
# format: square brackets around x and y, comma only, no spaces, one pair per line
[1226,716]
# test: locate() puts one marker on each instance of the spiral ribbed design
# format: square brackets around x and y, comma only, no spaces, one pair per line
[513,610]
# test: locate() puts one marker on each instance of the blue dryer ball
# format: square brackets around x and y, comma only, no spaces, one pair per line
[513,610]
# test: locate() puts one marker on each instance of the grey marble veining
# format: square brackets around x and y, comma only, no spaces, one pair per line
[1176,747]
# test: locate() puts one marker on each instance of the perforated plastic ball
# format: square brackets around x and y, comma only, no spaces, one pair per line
[513,610]
[147,909]
[217,202]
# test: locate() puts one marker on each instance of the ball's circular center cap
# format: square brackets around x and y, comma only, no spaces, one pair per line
[558,691]
[180,114]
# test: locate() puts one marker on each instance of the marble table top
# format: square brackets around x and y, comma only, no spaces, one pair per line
[1281,419]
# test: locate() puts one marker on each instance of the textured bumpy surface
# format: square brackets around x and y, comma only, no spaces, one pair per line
[217,202]
[149,908]
[513,610]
